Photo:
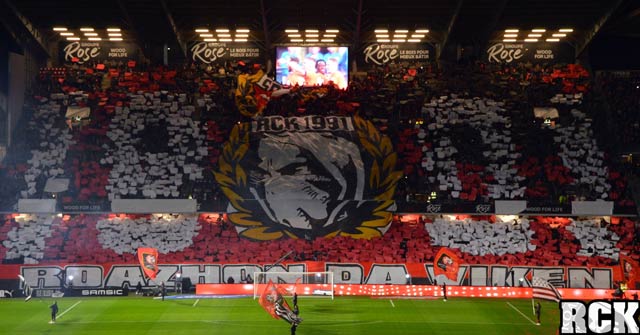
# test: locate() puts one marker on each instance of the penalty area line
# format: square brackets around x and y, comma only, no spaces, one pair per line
[68,309]
[195,303]
[517,310]
[392,304]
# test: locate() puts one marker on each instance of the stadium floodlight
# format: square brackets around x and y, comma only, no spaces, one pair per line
[243,30]
[291,30]
[531,40]
[327,40]
[399,35]
[332,31]
[297,40]
[329,35]
[510,35]
[402,31]
[417,36]
[59,29]
[512,40]
[66,34]
[115,39]
[114,34]
[312,35]
[538,30]
[95,39]
[90,34]
[242,35]
[86,29]
[559,35]
[511,30]
[553,40]
[226,40]
[224,35]
[240,40]
[206,35]
[413,40]
[422,31]
[295,35]
[312,40]
[399,40]
[73,38]
[311,31]
[202,30]
[210,40]
[381,31]
[534,35]
[117,30]
[222,30]
[384,40]
[566,30]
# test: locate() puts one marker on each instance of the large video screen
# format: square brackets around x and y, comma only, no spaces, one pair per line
[312,66]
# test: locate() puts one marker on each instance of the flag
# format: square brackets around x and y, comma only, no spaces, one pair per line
[629,269]
[446,263]
[26,288]
[148,258]
[543,290]
[245,93]
[269,297]
[272,300]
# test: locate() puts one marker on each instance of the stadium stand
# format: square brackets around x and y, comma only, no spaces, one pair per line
[86,238]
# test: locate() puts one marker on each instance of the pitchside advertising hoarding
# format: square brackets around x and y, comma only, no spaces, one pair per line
[97,51]
[380,54]
[521,52]
[216,52]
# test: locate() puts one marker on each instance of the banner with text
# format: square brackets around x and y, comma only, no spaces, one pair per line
[215,52]
[521,52]
[97,51]
[109,275]
[380,54]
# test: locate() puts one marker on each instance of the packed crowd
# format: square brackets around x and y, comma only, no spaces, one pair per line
[184,238]
[462,134]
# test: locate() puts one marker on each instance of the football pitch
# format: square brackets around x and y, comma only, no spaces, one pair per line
[233,316]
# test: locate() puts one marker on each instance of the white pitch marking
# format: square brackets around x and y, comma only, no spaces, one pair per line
[391,301]
[195,303]
[517,310]
[68,309]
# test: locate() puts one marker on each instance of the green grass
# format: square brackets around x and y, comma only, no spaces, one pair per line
[137,315]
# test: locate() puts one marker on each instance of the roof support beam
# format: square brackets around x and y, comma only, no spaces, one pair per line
[132,26]
[265,26]
[491,25]
[452,22]
[174,27]
[21,27]
[356,36]
[591,33]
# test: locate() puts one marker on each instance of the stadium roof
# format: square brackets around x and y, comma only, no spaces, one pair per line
[466,21]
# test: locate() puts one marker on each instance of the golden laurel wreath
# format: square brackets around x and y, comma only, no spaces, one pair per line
[383,178]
